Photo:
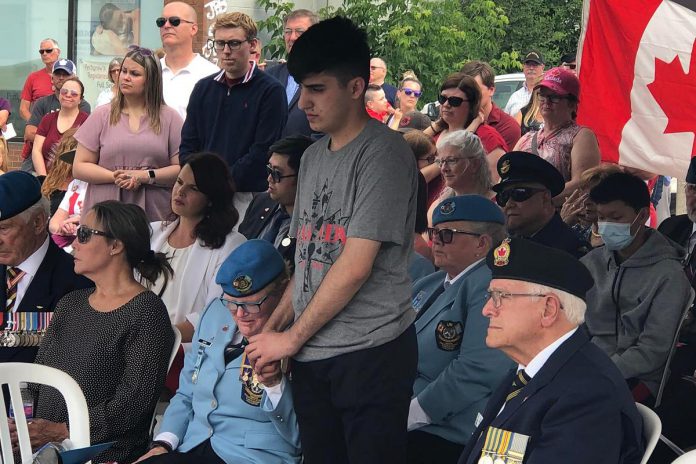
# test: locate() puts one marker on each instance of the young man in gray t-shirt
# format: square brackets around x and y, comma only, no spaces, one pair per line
[352,339]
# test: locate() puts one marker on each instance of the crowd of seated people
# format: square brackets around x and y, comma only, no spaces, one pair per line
[374,295]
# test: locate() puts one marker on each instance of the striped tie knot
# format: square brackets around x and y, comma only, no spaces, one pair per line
[518,383]
[14,275]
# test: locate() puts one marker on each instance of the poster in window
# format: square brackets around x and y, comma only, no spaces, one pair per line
[115,26]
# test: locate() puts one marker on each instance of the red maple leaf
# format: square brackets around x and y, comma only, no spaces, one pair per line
[675,92]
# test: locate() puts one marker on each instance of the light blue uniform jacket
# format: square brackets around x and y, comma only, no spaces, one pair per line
[457,372]
[212,407]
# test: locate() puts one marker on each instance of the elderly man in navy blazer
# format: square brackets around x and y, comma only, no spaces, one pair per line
[36,273]
[457,372]
[565,401]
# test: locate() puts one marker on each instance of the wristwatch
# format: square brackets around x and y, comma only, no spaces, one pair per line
[151,176]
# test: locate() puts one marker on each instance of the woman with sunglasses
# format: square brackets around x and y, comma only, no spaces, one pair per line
[53,125]
[224,412]
[106,95]
[460,104]
[196,239]
[570,148]
[410,90]
[114,339]
[129,150]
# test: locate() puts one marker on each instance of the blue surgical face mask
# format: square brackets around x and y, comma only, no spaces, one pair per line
[616,235]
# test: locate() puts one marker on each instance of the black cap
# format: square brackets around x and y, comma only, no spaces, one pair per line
[528,261]
[534,56]
[691,173]
[519,166]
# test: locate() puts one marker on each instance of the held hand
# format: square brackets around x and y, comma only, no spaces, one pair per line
[153,452]
[267,347]
[270,375]
[68,228]
[127,180]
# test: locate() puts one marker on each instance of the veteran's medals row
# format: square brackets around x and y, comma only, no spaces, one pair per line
[20,339]
[23,329]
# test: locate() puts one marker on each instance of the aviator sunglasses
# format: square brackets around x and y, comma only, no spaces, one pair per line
[173,20]
[453,101]
[519,194]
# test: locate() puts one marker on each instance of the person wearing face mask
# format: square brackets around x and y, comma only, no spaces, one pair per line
[640,288]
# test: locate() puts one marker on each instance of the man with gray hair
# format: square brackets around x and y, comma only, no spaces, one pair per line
[294,25]
[565,401]
[38,83]
[36,273]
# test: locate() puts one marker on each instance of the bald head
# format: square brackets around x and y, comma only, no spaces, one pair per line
[178,39]
[186,10]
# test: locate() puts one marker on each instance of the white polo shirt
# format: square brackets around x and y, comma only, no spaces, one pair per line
[177,87]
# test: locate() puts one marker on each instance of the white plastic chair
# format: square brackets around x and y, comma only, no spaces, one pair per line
[13,374]
[687,458]
[652,427]
[162,405]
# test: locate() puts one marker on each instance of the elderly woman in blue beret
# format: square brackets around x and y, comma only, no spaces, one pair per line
[223,411]
[456,371]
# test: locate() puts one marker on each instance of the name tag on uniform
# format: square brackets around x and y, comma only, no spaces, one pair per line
[503,447]
[418,300]
[478,420]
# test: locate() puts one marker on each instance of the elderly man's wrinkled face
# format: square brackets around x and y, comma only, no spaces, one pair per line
[20,239]
[251,312]
[458,250]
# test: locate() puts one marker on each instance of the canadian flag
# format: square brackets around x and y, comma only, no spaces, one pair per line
[637,62]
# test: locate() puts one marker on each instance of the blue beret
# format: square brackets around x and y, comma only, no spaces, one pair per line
[18,191]
[528,261]
[249,268]
[475,208]
[519,166]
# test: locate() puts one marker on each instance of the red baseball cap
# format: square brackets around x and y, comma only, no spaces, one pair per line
[561,81]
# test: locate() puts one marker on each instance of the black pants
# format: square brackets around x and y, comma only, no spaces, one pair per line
[353,408]
[426,448]
[202,453]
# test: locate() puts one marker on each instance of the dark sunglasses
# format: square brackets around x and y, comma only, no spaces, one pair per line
[84,234]
[173,20]
[275,174]
[519,194]
[412,93]
[569,65]
[453,101]
[46,51]
[140,50]
[446,235]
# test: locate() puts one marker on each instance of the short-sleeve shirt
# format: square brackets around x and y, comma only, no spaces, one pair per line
[74,198]
[117,147]
[37,85]
[48,128]
[367,189]
[490,138]
[5,105]
[505,124]
[41,108]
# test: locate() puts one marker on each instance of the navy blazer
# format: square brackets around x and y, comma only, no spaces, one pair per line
[54,278]
[257,215]
[297,119]
[576,410]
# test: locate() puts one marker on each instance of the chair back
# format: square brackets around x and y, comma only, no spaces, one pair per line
[12,374]
[175,347]
[686,458]
[162,405]
[652,428]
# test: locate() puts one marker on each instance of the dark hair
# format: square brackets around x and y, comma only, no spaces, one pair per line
[421,205]
[480,68]
[128,223]
[468,85]
[568,58]
[624,187]
[79,82]
[420,144]
[293,147]
[213,179]
[335,46]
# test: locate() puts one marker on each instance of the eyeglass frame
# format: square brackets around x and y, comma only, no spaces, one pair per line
[275,174]
[239,304]
[408,92]
[499,197]
[46,51]
[433,232]
[82,239]
[289,32]
[452,101]
[451,161]
[210,43]
[498,301]
[73,93]
[169,19]
[553,98]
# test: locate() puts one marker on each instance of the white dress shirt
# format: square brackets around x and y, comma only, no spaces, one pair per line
[30,266]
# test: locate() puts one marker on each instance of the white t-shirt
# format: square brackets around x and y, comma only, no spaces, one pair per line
[178,258]
[177,87]
[74,197]
[105,97]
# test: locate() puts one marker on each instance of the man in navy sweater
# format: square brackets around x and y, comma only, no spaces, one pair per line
[239,112]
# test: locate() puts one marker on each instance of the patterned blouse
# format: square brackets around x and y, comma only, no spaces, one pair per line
[554,147]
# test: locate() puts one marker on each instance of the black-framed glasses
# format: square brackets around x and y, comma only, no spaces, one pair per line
[253,307]
[519,194]
[173,20]
[84,234]
[45,51]
[412,93]
[219,45]
[276,175]
[446,235]
[552,98]
[430,158]
[498,295]
[453,101]
[141,50]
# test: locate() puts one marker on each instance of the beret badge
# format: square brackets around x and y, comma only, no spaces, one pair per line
[447,208]
[505,167]
[501,255]
[242,284]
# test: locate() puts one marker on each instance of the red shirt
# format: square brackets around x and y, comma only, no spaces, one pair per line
[37,85]
[375,115]
[505,124]
[490,138]
[48,127]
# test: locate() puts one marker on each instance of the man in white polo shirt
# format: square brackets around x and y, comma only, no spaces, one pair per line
[181,68]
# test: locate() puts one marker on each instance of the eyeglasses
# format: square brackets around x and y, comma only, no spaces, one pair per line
[140,50]
[372,68]
[569,65]
[450,162]
[430,158]
[453,101]
[446,235]
[497,296]
[219,45]
[519,194]
[552,98]
[45,51]
[276,175]
[84,234]
[173,20]
[412,93]
[249,308]
[299,32]
[72,93]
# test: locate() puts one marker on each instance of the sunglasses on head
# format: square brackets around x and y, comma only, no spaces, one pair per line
[447,235]
[453,101]
[518,194]
[140,50]
[72,93]
[173,20]
[276,175]
[84,234]
[412,93]
[45,51]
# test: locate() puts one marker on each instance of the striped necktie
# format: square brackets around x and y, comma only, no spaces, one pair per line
[14,275]
[518,383]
